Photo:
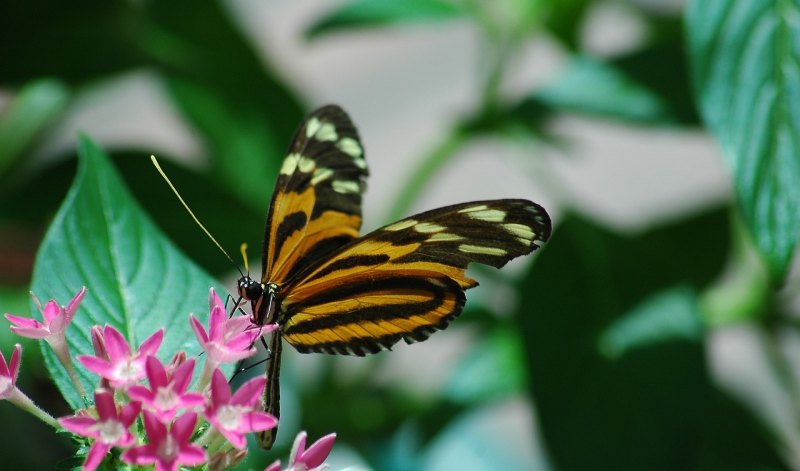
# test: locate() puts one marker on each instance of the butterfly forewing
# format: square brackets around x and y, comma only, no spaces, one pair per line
[405,280]
[316,206]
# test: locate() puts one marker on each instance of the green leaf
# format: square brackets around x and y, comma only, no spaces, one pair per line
[494,368]
[651,404]
[245,115]
[747,83]
[370,13]
[35,107]
[137,280]
[75,41]
[663,317]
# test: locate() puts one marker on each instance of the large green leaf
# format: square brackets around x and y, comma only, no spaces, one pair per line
[369,13]
[616,354]
[137,280]
[747,82]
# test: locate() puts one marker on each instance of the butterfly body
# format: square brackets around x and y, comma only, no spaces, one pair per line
[333,291]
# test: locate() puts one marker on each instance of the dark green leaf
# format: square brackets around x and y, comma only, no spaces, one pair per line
[747,82]
[137,280]
[221,85]
[74,41]
[648,404]
[564,19]
[369,13]
[34,107]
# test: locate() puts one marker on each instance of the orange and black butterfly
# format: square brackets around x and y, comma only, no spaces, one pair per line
[333,291]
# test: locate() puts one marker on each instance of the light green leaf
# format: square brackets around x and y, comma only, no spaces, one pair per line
[370,13]
[594,87]
[136,279]
[664,317]
[494,368]
[35,106]
[746,74]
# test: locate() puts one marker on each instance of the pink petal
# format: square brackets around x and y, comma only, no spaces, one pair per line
[156,431]
[96,455]
[104,403]
[16,358]
[199,330]
[79,425]
[51,310]
[96,365]
[216,324]
[129,412]
[24,321]
[69,311]
[257,421]
[189,400]
[298,447]
[31,333]
[4,371]
[225,356]
[151,344]
[192,455]
[250,392]
[98,343]
[276,466]
[182,376]
[220,389]
[235,437]
[117,346]
[140,393]
[184,426]
[156,373]
[140,455]
[214,300]
[243,341]
[316,453]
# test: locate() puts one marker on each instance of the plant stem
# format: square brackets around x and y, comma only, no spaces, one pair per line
[425,172]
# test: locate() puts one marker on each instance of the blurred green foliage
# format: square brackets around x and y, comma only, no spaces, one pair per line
[609,338]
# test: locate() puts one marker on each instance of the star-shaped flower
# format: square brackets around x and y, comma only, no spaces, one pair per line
[167,449]
[167,392]
[240,414]
[111,428]
[122,368]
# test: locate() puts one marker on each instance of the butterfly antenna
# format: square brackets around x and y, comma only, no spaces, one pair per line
[243,250]
[174,190]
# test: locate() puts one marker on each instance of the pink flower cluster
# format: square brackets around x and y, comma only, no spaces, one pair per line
[173,416]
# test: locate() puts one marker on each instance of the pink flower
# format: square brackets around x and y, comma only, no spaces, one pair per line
[110,429]
[167,449]
[167,391]
[236,416]
[121,368]
[227,340]
[9,372]
[56,319]
[311,459]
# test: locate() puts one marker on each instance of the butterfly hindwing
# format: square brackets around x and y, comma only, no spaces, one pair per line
[405,280]
[316,205]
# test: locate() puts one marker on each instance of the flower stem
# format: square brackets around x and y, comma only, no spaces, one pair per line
[19,399]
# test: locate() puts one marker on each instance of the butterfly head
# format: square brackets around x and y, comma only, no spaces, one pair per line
[250,289]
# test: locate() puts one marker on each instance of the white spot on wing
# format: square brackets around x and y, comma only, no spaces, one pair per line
[478,249]
[473,208]
[399,226]
[488,215]
[346,186]
[321,174]
[428,227]
[306,165]
[350,146]
[313,126]
[520,230]
[445,237]
[327,132]
[290,164]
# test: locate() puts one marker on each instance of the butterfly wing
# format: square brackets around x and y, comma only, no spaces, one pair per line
[405,280]
[316,205]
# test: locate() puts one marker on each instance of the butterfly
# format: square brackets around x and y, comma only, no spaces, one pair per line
[331,290]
